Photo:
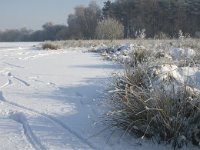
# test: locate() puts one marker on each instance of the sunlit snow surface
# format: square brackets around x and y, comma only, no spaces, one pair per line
[52,100]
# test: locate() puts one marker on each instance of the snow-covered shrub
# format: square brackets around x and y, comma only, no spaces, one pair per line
[139,54]
[157,97]
[161,111]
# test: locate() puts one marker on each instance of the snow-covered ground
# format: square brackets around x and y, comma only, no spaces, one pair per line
[52,100]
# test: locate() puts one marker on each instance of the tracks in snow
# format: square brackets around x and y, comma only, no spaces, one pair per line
[21,118]
[28,132]
[10,77]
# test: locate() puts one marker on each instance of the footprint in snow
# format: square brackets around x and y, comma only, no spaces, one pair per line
[13,65]
[9,74]
[2,98]
[51,83]
[9,82]
[78,94]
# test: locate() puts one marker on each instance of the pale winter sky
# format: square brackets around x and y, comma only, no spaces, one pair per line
[33,14]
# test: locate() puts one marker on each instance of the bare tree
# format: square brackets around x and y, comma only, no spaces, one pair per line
[83,22]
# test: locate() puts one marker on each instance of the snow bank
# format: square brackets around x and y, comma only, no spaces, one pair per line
[180,53]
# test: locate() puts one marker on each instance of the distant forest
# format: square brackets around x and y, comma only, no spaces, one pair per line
[158,18]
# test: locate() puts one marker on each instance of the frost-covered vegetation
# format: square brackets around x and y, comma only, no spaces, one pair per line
[158,94]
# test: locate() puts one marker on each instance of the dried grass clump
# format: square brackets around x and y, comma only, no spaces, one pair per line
[50,46]
[152,103]
[168,116]
[139,54]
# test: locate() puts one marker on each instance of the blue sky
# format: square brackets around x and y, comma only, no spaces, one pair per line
[33,14]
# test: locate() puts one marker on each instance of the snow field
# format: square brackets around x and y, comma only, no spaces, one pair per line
[52,100]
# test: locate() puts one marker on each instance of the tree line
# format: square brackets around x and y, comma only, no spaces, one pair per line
[155,16]
[119,19]
[48,32]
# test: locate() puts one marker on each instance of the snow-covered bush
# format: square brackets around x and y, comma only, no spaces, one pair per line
[164,114]
[158,95]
